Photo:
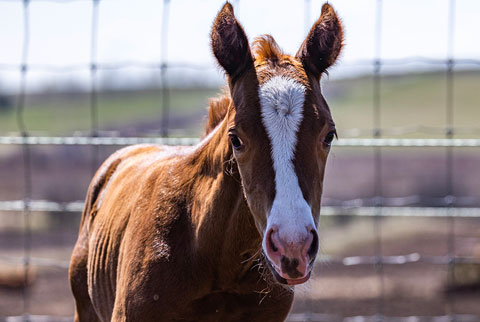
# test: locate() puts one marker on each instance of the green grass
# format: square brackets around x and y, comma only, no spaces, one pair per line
[406,100]
[63,115]
[412,99]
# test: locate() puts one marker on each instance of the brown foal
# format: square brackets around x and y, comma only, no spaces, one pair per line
[222,230]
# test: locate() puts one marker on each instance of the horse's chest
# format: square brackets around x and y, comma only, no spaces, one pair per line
[236,307]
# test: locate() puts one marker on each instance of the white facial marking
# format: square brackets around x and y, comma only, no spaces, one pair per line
[282,100]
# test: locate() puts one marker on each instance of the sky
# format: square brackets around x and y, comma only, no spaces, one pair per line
[130,31]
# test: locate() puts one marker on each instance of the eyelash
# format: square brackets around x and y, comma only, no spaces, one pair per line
[329,138]
[236,142]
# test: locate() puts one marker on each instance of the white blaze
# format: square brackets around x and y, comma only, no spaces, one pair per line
[282,100]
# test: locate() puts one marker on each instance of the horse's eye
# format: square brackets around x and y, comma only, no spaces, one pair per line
[236,142]
[329,138]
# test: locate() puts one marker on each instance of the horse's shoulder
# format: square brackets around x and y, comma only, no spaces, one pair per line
[141,180]
[109,167]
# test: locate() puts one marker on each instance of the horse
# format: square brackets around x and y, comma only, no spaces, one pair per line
[223,230]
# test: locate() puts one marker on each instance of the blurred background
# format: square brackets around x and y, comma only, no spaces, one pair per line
[400,233]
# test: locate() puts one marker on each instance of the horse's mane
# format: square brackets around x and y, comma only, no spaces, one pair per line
[217,109]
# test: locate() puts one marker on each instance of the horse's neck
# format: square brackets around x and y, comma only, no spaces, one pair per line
[224,227]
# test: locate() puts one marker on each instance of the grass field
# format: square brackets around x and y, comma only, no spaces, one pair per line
[65,114]
[406,100]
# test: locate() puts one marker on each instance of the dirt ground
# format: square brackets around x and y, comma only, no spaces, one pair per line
[416,289]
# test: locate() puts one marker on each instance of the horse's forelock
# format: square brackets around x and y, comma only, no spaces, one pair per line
[266,48]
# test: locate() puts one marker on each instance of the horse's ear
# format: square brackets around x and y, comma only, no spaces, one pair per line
[323,44]
[229,43]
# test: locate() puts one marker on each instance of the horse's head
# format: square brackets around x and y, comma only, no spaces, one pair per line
[280,134]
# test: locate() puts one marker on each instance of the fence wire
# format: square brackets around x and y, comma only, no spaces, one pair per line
[408,206]
[27,240]
[51,68]
[449,206]
[377,164]
[450,305]
[342,143]
[93,84]
[163,70]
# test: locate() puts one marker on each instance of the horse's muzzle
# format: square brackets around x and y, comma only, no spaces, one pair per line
[291,262]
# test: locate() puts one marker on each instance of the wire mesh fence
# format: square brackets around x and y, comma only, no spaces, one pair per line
[449,206]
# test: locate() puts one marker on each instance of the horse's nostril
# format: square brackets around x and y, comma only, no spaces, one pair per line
[272,244]
[313,249]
